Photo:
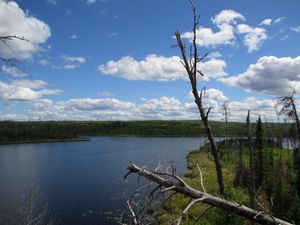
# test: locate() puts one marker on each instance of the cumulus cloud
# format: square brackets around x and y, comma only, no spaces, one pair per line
[253,37]
[226,23]
[152,68]
[157,108]
[13,71]
[207,37]
[224,36]
[266,22]
[98,104]
[269,75]
[14,21]
[227,16]
[25,90]
[159,68]
[295,29]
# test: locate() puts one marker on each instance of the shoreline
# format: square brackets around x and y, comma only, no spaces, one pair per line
[43,141]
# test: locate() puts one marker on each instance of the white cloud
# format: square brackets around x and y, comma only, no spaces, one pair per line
[98,104]
[73,36]
[152,68]
[160,105]
[14,21]
[207,37]
[13,71]
[211,98]
[159,68]
[91,2]
[72,62]
[253,37]
[266,22]
[213,68]
[213,55]
[44,62]
[227,16]
[296,29]
[225,36]
[157,108]
[30,83]
[25,90]
[279,20]
[269,75]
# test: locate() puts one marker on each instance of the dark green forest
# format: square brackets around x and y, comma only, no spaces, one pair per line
[12,131]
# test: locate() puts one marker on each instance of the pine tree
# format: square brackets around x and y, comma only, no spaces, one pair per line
[258,153]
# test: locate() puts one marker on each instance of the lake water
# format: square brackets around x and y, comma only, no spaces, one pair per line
[78,182]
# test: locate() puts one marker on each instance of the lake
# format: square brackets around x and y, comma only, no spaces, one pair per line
[79,182]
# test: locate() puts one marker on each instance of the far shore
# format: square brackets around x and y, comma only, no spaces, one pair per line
[43,141]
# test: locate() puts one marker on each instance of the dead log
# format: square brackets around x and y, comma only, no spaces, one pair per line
[176,184]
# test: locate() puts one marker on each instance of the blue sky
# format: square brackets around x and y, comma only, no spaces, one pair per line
[113,60]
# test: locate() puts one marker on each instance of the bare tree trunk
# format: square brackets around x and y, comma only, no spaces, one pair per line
[251,163]
[190,64]
[296,118]
[240,163]
[198,196]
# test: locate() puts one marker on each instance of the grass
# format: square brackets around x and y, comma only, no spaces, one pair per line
[173,209]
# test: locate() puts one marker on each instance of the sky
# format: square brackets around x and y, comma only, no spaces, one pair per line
[116,60]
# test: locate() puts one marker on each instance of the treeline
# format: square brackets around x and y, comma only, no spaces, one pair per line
[12,131]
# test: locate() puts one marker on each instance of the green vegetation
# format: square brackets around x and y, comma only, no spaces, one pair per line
[277,192]
[20,132]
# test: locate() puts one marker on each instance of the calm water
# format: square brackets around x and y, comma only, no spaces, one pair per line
[78,182]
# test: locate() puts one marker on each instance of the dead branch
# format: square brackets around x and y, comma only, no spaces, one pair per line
[190,65]
[198,196]
[201,178]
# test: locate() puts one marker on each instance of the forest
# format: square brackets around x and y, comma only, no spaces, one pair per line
[35,131]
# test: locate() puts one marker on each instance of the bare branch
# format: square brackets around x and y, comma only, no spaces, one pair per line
[232,207]
[188,207]
[201,178]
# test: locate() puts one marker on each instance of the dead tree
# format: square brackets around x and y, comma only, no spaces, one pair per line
[190,64]
[251,163]
[225,113]
[170,182]
[288,108]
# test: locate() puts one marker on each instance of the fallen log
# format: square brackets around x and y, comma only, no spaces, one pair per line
[176,184]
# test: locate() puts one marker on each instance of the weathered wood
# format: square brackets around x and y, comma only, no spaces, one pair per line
[190,64]
[232,207]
